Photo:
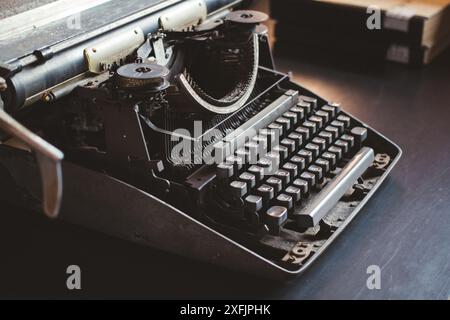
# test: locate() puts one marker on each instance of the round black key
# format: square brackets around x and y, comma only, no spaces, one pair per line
[258,172]
[311,126]
[307,155]
[312,101]
[297,138]
[294,192]
[332,110]
[346,120]
[276,183]
[324,164]
[360,134]
[292,117]
[276,127]
[317,171]
[225,170]
[331,158]
[283,151]
[317,120]
[303,185]
[249,179]
[285,200]
[300,112]
[324,115]
[306,106]
[289,144]
[336,151]
[337,107]
[322,143]
[300,162]
[329,110]
[284,176]
[275,217]
[304,132]
[327,136]
[333,130]
[349,139]
[238,189]
[266,192]
[253,203]
[343,145]
[314,148]
[286,123]
[310,178]
[340,125]
[291,168]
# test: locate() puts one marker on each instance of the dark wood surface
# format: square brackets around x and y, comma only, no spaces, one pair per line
[404,229]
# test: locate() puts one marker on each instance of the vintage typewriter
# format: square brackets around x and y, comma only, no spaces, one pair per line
[167,124]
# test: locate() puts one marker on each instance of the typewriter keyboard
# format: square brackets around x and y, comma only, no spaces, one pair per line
[301,160]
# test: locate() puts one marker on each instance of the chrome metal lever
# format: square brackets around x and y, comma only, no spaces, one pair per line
[49,159]
[319,206]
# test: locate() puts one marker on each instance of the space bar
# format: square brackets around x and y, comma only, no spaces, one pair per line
[319,205]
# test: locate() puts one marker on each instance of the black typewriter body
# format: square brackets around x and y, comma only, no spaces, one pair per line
[194,144]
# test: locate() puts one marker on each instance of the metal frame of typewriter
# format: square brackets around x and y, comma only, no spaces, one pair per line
[143,218]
